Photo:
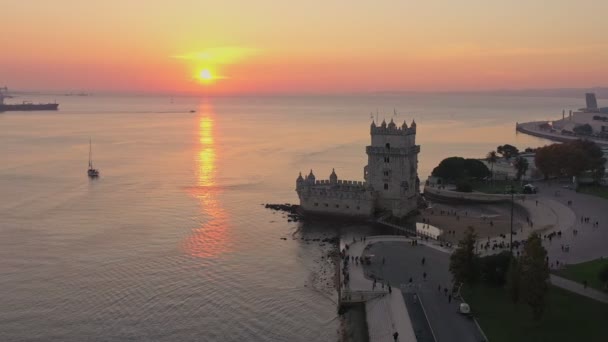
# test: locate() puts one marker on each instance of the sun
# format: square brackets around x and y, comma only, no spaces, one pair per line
[205,75]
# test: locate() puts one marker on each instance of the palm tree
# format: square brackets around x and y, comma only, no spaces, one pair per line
[492,158]
[521,165]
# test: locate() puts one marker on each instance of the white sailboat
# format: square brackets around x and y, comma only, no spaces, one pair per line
[92,172]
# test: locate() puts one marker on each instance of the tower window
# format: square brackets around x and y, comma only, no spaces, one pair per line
[387,159]
[385,186]
[388,146]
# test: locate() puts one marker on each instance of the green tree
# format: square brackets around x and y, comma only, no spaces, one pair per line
[534,275]
[464,263]
[453,169]
[603,276]
[492,158]
[507,151]
[494,268]
[571,159]
[475,168]
[521,165]
[514,280]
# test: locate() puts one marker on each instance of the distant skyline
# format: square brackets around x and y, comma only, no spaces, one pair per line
[240,47]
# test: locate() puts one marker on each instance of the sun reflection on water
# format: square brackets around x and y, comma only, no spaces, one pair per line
[210,239]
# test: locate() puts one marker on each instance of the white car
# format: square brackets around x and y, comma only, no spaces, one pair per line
[464,309]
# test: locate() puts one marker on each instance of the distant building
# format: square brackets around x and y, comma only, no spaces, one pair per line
[391,178]
[596,118]
[591,102]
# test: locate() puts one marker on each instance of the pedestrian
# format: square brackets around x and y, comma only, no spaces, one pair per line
[445,291]
[383,260]
[411,280]
[537,203]
[423,261]
[439,288]
[449,298]
[424,276]
[395,336]
[390,289]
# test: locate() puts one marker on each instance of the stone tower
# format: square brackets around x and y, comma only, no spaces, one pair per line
[392,167]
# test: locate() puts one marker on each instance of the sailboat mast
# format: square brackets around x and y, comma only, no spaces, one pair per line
[90,154]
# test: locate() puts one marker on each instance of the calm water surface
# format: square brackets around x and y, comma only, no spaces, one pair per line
[172,243]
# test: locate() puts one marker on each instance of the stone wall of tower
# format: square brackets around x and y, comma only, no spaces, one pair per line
[392,168]
[334,196]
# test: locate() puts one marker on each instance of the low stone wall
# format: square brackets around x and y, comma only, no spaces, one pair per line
[336,206]
[443,195]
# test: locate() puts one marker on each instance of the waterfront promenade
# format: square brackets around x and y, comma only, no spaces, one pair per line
[386,313]
[572,239]
[416,309]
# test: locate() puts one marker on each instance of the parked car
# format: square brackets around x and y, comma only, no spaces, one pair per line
[529,189]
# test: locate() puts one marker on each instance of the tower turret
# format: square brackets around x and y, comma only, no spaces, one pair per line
[392,125]
[299,181]
[333,178]
[383,125]
[311,177]
[404,126]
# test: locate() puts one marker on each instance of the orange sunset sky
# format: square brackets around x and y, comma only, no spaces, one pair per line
[232,46]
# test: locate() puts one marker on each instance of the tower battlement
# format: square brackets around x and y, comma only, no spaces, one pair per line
[392,129]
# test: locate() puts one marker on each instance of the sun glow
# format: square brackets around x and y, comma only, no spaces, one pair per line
[211,238]
[205,75]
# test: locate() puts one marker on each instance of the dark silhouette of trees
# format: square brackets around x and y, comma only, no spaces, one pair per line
[521,165]
[570,159]
[534,275]
[464,263]
[492,158]
[507,151]
[494,268]
[514,280]
[458,168]
[603,276]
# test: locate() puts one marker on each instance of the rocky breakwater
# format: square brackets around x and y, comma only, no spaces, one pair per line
[292,210]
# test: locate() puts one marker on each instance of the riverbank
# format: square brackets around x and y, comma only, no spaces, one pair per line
[533,129]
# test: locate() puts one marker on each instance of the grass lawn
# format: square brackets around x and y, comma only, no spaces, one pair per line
[584,271]
[568,317]
[599,191]
[498,187]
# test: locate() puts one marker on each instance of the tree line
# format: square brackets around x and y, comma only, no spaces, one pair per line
[571,159]
[525,277]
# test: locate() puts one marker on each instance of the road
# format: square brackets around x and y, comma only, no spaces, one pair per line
[403,262]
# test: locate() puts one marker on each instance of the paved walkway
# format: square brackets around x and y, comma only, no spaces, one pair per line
[575,287]
[386,314]
[438,319]
[550,213]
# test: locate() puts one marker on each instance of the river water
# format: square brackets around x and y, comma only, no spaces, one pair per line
[172,242]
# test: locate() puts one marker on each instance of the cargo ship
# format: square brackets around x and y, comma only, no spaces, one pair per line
[25,105]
